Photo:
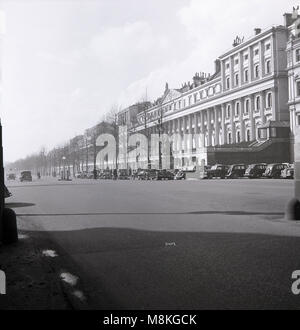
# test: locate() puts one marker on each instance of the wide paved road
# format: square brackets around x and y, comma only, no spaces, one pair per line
[175,245]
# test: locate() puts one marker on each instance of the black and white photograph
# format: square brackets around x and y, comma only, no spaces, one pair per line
[149,158]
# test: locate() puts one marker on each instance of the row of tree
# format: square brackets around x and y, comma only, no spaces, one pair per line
[76,155]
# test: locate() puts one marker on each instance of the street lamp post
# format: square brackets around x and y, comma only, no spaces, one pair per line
[160,131]
[64,168]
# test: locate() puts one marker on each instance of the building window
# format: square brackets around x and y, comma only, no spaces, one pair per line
[228,111]
[268,46]
[179,104]
[195,98]
[247,107]
[257,103]
[256,52]
[268,66]
[229,138]
[227,65]
[256,71]
[238,137]
[246,57]
[227,83]
[246,75]
[248,135]
[297,55]
[237,109]
[298,120]
[298,88]
[236,79]
[269,100]
[236,61]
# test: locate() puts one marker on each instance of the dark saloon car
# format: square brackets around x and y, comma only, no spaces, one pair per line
[26,176]
[255,171]
[288,172]
[236,171]
[217,171]
[11,176]
[164,175]
[123,174]
[273,171]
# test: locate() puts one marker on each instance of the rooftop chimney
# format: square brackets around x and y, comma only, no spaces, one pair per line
[295,12]
[257,31]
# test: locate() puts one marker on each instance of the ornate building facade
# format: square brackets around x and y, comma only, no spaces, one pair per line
[238,114]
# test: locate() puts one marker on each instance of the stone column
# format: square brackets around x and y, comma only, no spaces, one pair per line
[224,136]
[252,121]
[209,131]
[261,60]
[242,105]
[241,68]
[250,64]
[262,107]
[217,126]
[202,129]
[231,72]
[233,131]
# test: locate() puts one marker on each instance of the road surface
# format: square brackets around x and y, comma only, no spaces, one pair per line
[170,245]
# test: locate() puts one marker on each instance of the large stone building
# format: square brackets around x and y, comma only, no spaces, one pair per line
[238,114]
[292,21]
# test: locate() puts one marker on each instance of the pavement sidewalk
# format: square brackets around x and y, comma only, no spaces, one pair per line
[32,281]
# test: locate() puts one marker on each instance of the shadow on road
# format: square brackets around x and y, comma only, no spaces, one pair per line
[139,269]
[279,214]
[19,204]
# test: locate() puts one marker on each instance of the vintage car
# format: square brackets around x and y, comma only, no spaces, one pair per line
[25,176]
[180,175]
[217,171]
[273,171]
[288,172]
[106,175]
[164,175]
[255,171]
[123,174]
[236,171]
[11,176]
[149,174]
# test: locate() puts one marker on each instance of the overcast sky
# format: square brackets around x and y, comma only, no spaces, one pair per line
[65,63]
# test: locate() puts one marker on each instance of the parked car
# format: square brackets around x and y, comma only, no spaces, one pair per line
[204,174]
[274,170]
[11,176]
[26,176]
[217,171]
[164,175]
[180,175]
[236,171]
[106,175]
[123,174]
[142,175]
[255,171]
[288,172]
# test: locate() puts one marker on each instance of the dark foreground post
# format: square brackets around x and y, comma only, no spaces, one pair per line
[293,207]
[8,222]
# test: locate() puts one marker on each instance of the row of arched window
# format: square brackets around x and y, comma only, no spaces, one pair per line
[257,107]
